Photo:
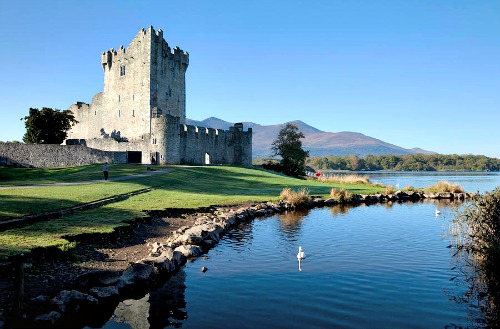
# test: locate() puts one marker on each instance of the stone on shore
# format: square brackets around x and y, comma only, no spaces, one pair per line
[97,278]
[74,301]
[189,250]
[48,319]
[136,276]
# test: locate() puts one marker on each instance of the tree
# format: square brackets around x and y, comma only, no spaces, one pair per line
[288,145]
[47,126]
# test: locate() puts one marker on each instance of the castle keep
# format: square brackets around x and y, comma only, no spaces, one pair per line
[142,110]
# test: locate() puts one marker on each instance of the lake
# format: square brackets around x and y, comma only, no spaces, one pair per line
[377,266]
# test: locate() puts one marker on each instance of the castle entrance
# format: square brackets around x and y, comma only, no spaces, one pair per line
[134,156]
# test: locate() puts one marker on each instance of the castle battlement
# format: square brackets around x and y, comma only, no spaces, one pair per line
[143,36]
[142,109]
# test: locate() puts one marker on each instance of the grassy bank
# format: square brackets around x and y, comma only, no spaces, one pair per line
[184,187]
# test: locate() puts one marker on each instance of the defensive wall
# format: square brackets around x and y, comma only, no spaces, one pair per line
[142,110]
[53,155]
[174,143]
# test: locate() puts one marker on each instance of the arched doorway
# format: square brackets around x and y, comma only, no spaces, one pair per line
[207,158]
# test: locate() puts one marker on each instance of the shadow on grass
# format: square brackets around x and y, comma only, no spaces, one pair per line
[14,176]
[15,206]
[232,181]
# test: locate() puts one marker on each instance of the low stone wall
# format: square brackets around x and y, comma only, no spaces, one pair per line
[52,155]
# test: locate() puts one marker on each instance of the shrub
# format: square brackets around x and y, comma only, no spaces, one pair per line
[410,188]
[346,179]
[482,217]
[295,198]
[477,229]
[390,189]
[341,196]
[445,186]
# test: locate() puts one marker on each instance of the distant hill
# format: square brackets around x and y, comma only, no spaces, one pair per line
[318,142]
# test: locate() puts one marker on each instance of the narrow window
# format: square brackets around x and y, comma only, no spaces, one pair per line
[133,113]
[122,70]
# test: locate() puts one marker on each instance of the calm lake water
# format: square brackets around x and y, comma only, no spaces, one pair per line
[377,266]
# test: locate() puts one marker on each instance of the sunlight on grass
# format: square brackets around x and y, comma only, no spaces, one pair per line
[13,176]
[185,187]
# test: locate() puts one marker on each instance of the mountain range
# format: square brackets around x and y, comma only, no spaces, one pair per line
[317,142]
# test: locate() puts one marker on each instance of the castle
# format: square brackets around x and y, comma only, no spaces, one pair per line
[142,110]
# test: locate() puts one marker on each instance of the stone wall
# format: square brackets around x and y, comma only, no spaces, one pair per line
[141,81]
[200,145]
[52,155]
[143,109]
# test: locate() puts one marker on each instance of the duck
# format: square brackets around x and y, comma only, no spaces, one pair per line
[301,255]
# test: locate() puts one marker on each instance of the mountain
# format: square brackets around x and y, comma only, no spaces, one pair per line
[317,142]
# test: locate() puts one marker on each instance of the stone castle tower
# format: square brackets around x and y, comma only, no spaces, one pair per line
[142,110]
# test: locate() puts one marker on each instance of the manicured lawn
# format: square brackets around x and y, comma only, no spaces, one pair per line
[29,176]
[185,187]
[25,201]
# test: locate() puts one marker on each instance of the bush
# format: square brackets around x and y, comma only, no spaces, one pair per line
[477,229]
[295,199]
[346,179]
[445,186]
[410,188]
[341,196]
[482,217]
[390,189]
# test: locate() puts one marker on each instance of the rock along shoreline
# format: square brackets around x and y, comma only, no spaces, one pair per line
[97,292]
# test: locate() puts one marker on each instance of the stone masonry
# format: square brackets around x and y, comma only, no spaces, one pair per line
[142,110]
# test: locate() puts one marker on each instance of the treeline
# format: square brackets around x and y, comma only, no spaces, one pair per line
[410,162]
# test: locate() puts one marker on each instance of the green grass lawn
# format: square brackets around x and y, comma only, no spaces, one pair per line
[28,176]
[185,187]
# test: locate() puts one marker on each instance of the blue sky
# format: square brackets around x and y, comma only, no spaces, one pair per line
[414,73]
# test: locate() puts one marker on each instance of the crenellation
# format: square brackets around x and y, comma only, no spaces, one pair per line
[143,108]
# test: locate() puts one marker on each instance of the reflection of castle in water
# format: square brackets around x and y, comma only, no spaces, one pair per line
[164,307]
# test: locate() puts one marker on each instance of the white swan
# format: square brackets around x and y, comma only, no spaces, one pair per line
[437,212]
[301,255]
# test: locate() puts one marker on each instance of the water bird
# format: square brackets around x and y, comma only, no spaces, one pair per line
[301,255]
[437,212]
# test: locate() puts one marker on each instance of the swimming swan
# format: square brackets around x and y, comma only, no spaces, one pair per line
[301,255]
[437,212]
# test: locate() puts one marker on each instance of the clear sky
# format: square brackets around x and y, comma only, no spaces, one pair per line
[414,73]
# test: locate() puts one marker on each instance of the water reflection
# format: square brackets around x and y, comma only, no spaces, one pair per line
[345,276]
[164,307]
[132,312]
[292,219]
[290,223]
[339,209]
[478,282]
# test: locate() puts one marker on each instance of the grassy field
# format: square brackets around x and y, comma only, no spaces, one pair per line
[184,187]
[29,176]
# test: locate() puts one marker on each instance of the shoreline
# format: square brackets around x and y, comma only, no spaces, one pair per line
[150,249]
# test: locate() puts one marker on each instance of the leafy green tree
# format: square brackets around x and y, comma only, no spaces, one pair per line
[288,145]
[47,126]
